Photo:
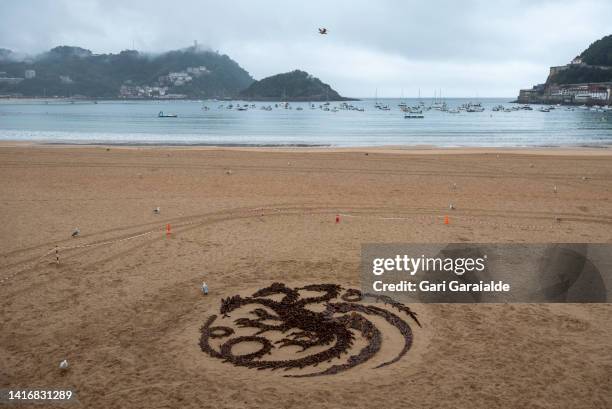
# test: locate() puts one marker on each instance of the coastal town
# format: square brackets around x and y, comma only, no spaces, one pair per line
[160,89]
[585,93]
[6,79]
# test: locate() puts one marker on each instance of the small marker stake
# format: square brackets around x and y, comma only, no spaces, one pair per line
[168,229]
[337,218]
[56,255]
[446,220]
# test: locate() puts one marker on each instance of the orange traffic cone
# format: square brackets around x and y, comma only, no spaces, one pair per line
[446,220]
[168,229]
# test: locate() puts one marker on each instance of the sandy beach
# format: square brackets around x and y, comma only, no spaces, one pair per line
[124,304]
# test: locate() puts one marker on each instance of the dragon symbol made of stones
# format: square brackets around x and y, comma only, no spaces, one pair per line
[335,327]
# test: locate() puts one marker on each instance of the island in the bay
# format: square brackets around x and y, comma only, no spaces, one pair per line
[586,80]
[190,73]
[291,86]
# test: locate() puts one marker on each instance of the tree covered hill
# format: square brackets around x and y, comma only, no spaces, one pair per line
[69,71]
[581,74]
[291,86]
[595,60]
[599,53]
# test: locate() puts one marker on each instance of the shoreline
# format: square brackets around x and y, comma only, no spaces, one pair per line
[408,149]
[61,98]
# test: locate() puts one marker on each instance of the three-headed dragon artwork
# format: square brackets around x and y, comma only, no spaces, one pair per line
[329,333]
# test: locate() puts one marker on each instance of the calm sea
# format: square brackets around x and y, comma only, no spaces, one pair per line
[122,122]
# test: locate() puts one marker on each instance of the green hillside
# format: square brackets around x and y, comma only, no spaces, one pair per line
[595,58]
[579,74]
[291,86]
[599,53]
[69,71]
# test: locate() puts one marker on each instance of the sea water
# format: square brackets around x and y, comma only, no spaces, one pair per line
[137,122]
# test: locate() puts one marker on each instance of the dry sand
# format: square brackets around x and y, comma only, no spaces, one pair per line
[127,315]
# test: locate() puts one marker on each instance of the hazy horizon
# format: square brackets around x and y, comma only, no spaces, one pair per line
[472,49]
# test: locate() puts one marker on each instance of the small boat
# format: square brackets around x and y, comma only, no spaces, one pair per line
[414,116]
[474,108]
[162,115]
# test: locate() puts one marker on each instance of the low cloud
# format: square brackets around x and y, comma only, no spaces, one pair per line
[465,48]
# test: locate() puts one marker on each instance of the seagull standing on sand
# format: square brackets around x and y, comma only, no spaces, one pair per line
[451,206]
[76,232]
[204,288]
[63,365]
[156,210]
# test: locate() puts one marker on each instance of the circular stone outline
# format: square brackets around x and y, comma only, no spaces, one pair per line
[226,348]
[352,295]
[227,331]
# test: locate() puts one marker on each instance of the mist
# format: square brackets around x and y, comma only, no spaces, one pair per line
[394,48]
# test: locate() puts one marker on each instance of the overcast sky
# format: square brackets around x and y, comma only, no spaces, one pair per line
[465,48]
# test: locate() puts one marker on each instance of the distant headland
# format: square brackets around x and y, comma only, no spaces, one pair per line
[190,73]
[291,86]
[587,79]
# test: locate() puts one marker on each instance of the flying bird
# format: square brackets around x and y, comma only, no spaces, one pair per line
[323,30]
[76,232]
